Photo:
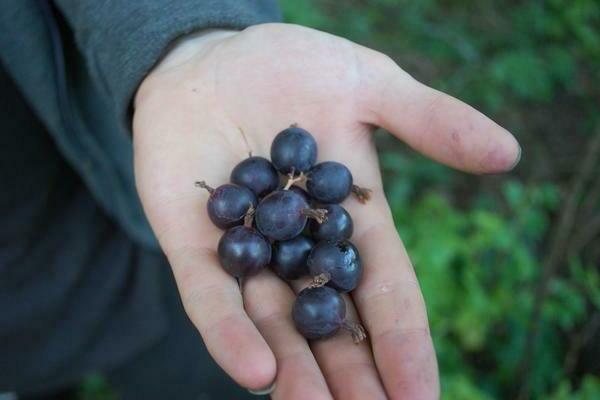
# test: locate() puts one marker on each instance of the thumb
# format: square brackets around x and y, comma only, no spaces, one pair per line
[434,123]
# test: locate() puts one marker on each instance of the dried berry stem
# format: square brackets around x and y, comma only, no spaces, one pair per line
[318,214]
[301,178]
[362,194]
[245,141]
[358,332]
[249,216]
[320,280]
[203,185]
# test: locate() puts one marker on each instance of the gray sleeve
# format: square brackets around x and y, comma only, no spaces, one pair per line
[122,39]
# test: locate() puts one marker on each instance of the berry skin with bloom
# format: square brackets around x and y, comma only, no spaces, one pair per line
[228,204]
[257,174]
[339,261]
[243,251]
[338,226]
[293,150]
[329,182]
[290,256]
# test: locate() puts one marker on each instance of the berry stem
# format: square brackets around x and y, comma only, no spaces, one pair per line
[358,332]
[245,140]
[318,214]
[320,280]
[203,185]
[249,216]
[301,178]
[363,194]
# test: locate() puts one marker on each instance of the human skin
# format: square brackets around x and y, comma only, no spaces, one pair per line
[218,95]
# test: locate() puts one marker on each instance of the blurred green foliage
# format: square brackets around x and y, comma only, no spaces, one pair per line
[478,252]
[95,387]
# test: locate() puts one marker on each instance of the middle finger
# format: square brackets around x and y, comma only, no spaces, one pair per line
[268,302]
[348,367]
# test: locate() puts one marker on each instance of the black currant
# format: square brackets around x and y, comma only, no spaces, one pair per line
[228,204]
[257,174]
[337,227]
[329,182]
[320,312]
[289,257]
[302,192]
[283,214]
[243,251]
[293,150]
[339,261]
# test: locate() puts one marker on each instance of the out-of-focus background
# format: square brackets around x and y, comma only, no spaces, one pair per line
[510,264]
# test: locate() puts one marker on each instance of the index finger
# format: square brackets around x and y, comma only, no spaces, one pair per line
[388,297]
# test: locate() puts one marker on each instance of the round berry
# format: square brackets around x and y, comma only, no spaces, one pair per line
[318,312]
[228,204]
[338,225]
[329,182]
[281,215]
[339,261]
[293,150]
[243,251]
[257,174]
[302,192]
[289,257]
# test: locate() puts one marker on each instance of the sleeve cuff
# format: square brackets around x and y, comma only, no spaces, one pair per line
[123,53]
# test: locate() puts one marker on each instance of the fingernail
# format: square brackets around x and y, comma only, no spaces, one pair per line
[262,392]
[517,159]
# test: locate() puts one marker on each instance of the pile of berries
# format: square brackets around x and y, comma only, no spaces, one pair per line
[270,220]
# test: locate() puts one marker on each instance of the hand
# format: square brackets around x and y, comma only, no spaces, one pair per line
[190,113]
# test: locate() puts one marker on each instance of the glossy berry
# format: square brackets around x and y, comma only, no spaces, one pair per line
[318,312]
[329,182]
[339,260]
[293,150]
[228,204]
[338,226]
[281,215]
[243,251]
[289,257]
[257,174]
[302,192]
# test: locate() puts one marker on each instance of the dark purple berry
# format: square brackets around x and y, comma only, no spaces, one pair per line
[282,215]
[228,204]
[338,226]
[302,192]
[318,312]
[339,261]
[329,182]
[289,257]
[243,251]
[293,150]
[257,174]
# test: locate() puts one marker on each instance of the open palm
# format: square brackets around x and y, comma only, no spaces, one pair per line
[218,96]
